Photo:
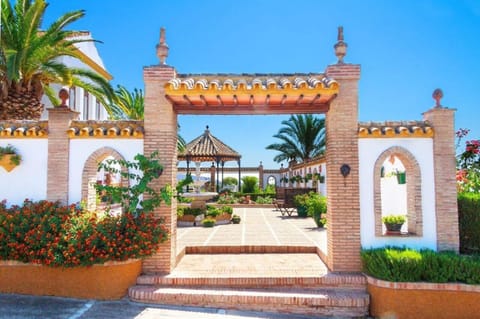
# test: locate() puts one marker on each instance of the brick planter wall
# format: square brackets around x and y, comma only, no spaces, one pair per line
[423,300]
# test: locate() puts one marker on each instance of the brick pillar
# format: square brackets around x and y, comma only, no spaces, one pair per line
[160,125]
[442,120]
[58,152]
[343,211]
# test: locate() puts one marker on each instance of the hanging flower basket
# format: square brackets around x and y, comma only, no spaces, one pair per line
[9,158]
[7,163]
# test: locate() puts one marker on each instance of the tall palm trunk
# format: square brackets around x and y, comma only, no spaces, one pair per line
[23,105]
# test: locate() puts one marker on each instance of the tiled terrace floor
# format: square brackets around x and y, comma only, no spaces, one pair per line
[259,227]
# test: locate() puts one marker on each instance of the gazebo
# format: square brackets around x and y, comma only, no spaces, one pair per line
[208,148]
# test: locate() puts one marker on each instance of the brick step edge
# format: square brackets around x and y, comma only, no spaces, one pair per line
[352,281]
[328,303]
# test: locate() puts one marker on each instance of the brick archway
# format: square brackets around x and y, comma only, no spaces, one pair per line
[334,93]
[89,174]
[414,190]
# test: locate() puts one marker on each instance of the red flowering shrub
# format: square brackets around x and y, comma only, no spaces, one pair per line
[51,234]
[468,165]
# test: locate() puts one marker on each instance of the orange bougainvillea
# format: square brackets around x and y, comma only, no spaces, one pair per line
[48,233]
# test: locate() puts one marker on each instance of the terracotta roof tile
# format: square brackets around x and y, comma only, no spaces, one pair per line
[251,81]
[395,129]
[23,128]
[102,129]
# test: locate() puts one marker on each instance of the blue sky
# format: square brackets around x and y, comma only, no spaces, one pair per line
[406,50]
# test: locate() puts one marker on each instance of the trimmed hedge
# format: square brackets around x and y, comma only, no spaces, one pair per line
[469,222]
[408,265]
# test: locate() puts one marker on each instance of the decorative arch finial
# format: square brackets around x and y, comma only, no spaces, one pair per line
[437,96]
[340,47]
[63,95]
[162,47]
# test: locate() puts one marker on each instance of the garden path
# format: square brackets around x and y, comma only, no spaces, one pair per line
[259,226]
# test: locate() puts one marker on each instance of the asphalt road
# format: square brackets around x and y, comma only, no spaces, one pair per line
[33,307]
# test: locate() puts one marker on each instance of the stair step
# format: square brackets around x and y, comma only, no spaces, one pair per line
[339,281]
[325,302]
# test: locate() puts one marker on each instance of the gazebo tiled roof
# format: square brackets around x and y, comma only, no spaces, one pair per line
[208,148]
[238,93]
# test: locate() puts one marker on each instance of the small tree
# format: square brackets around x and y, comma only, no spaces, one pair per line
[132,197]
[249,184]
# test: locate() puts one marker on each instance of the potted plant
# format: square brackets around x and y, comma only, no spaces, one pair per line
[300,202]
[208,222]
[9,157]
[394,223]
[236,219]
[401,177]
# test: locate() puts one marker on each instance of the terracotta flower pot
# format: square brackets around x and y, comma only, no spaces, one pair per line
[7,163]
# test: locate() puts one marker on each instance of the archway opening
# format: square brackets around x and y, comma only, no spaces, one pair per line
[398,190]
[393,189]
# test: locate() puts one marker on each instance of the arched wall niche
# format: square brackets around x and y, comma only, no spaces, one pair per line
[89,175]
[414,190]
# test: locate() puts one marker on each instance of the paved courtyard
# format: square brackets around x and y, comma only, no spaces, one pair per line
[258,227]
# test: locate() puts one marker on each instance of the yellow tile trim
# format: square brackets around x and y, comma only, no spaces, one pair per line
[256,88]
[390,132]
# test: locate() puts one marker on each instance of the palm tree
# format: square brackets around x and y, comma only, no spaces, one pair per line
[302,136]
[126,104]
[30,60]
[130,105]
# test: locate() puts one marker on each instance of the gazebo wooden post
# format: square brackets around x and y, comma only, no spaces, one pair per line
[239,176]
[217,160]
[223,166]
[188,171]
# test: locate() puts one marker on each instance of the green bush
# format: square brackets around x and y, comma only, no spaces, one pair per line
[394,219]
[230,181]
[316,207]
[181,211]
[208,222]
[408,265]
[227,209]
[263,200]
[312,205]
[300,202]
[469,222]
[213,211]
[250,184]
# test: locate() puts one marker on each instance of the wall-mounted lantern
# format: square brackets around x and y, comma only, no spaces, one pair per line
[345,171]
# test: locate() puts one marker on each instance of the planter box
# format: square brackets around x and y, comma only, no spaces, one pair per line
[422,300]
[186,221]
[223,219]
[108,281]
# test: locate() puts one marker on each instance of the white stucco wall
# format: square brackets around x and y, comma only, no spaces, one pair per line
[29,179]
[369,151]
[80,151]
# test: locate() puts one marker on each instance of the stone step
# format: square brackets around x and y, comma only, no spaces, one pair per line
[329,281]
[327,302]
